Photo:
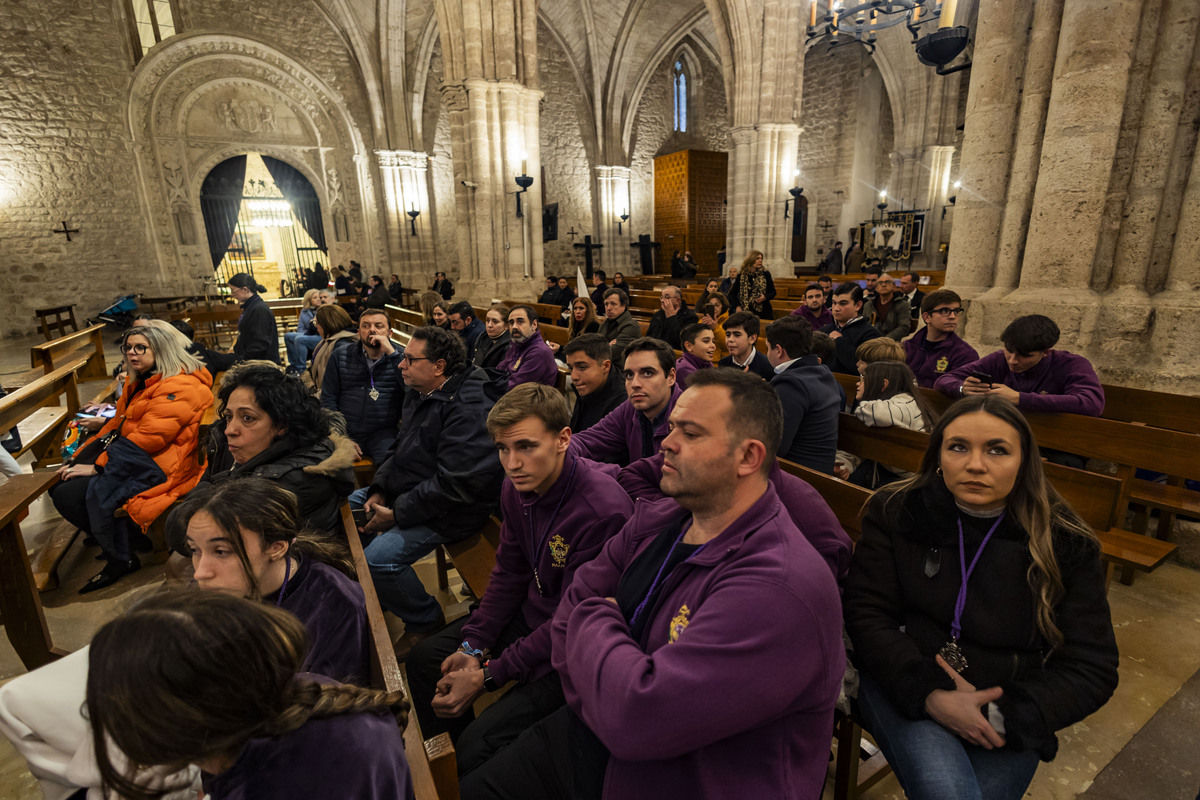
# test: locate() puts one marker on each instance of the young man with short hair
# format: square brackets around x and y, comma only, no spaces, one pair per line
[559,510]
[936,349]
[636,428]
[813,310]
[850,328]
[909,283]
[551,295]
[670,320]
[707,629]
[618,327]
[467,325]
[599,387]
[888,312]
[598,277]
[809,393]
[741,332]
[362,383]
[442,285]
[833,261]
[529,359]
[699,346]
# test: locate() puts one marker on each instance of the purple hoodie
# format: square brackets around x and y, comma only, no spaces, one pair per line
[334,612]
[931,360]
[617,439]
[686,364]
[817,322]
[530,361]
[731,691]
[1061,382]
[569,534]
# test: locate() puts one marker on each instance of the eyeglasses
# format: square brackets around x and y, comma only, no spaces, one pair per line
[136,349]
[406,358]
[945,312]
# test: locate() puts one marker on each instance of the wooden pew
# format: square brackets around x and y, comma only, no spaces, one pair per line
[35,411]
[405,318]
[473,558]
[432,764]
[55,353]
[57,321]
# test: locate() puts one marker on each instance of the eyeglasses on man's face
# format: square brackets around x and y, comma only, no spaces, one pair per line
[136,349]
[407,359]
[945,312]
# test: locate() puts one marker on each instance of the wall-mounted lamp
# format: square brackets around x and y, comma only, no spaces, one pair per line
[524,181]
[413,213]
[623,218]
[795,192]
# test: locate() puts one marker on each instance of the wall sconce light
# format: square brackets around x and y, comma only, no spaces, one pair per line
[795,192]
[524,181]
[623,218]
[413,213]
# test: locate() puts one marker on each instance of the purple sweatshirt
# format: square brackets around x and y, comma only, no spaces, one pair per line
[818,321]
[1061,382]
[333,610]
[617,439]
[530,361]
[348,755]
[731,691]
[807,507]
[931,360]
[572,521]
[686,364]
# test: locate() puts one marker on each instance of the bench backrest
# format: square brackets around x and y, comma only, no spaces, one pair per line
[53,353]
[57,321]
[845,499]
[405,318]
[16,406]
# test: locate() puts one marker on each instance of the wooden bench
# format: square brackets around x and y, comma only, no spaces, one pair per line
[473,558]
[55,353]
[432,764]
[57,321]
[35,412]
[405,318]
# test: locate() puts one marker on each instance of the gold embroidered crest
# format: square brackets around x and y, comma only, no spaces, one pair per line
[941,365]
[678,623]
[558,551]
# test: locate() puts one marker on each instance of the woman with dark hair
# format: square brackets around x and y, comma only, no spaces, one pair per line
[144,457]
[440,315]
[977,610]
[395,289]
[214,681]
[258,336]
[272,427]
[714,313]
[712,287]
[753,289]
[491,349]
[619,283]
[336,329]
[887,396]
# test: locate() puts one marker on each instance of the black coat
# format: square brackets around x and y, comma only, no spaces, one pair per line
[668,329]
[443,287]
[490,352]
[320,473]
[735,297]
[900,599]
[760,365]
[593,408]
[377,297]
[845,346]
[471,336]
[444,471]
[811,401]
[395,289]
[258,336]
[347,384]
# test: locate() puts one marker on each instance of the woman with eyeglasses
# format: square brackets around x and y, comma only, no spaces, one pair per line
[144,458]
[936,349]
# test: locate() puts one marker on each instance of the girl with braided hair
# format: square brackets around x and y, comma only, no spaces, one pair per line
[214,680]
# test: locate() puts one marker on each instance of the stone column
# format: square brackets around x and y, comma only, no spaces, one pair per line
[1001,48]
[403,177]
[1184,274]
[1083,122]
[613,185]
[762,168]
[935,161]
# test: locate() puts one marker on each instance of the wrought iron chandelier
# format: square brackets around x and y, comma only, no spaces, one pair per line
[841,23]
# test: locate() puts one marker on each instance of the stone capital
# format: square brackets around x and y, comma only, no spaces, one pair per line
[402,159]
[604,172]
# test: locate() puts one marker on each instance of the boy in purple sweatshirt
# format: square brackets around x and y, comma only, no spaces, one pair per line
[529,359]
[701,652]
[559,510]
[699,346]
[936,349]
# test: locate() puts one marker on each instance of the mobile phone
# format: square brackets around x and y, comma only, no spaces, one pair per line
[982,377]
[360,517]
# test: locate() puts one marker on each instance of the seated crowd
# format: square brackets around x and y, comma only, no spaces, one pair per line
[667,603]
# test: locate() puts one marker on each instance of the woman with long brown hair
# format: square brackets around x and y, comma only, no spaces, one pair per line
[977,609]
[753,289]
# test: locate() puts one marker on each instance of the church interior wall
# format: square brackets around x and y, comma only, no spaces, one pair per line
[441,171]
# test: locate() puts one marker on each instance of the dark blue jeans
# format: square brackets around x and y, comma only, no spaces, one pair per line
[933,763]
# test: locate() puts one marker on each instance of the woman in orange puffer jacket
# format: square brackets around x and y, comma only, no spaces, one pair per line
[144,458]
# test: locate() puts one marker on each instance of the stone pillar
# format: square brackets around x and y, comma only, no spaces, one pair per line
[762,167]
[1184,274]
[1083,122]
[992,103]
[403,177]
[936,161]
[613,185]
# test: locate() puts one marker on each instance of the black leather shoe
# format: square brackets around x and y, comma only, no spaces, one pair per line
[113,572]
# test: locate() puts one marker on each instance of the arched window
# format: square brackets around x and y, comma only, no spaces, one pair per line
[151,22]
[680,84]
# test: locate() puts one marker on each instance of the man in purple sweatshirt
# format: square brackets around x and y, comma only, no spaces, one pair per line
[529,359]
[701,652]
[813,310]
[937,349]
[559,510]
[635,429]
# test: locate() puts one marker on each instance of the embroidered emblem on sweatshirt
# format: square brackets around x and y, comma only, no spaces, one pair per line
[678,623]
[558,551]
[942,364]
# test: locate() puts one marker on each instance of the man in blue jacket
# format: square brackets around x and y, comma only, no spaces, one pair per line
[468,326]
[809,394]
[362,383]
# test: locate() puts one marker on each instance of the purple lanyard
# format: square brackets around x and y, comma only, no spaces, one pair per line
[965,571]
[642,605]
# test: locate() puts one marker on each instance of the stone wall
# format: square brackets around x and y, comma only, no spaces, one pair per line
[64,155]
[441,171]
[568,159]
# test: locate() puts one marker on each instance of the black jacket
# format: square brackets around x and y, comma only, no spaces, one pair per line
[471,336]
[622,330]
[811,400]
[444,287]
[764,311]
[258,337]
[900,599]
[347,386]
[444,471]
[668,328]
[377,297]
[593,408]
[395,289]
[490,352]
[320,474]
[760,365]
[598,297]
[844,359]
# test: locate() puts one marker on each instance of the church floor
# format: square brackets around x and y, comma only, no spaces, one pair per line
[1143,743]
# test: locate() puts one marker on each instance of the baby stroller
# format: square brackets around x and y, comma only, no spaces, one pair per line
[121,313]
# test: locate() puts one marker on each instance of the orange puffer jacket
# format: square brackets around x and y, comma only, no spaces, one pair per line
[164,420]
